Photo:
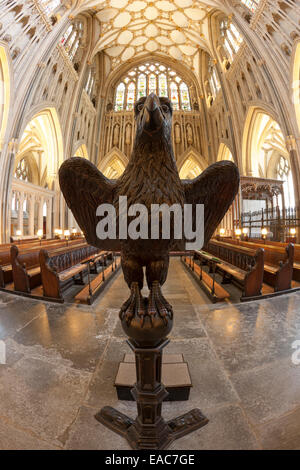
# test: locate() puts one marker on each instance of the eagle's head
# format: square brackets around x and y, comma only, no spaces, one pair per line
[153,116]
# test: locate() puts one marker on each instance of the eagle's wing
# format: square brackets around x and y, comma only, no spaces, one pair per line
[216,188]
[85,188]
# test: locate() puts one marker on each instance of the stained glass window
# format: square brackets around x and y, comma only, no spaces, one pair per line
[130,96]
[232,39]
[50,5]
[152,77]
[152,84]
[74,50]
[163,87]
[174,95]
[70,42]
[251,4]
[213,78]
[228,48]
[142,86]
[71,39]
[120,95]
[184,97]
[67,34]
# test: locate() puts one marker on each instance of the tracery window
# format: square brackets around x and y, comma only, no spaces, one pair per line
[152,77]
[71,39]
[23,171]
[90,83]
[120,97]
[213,78]
[251,4]
[283,172]
[49,5]
[232,39]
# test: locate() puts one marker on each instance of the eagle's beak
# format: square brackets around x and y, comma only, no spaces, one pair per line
[151,116]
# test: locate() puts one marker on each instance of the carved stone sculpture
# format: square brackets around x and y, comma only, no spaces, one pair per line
[151,177]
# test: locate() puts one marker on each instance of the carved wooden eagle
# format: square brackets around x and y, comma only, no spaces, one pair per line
[151,177]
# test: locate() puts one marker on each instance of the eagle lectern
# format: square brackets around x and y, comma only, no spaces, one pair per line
[150,178]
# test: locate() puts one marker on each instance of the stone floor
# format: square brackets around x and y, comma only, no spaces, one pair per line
[61,362]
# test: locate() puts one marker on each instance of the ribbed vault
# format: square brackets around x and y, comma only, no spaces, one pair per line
[130,28]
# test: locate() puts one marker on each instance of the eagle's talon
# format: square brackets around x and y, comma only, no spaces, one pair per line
[133,306]
[158,304]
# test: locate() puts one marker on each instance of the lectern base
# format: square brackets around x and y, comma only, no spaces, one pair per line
[158,436]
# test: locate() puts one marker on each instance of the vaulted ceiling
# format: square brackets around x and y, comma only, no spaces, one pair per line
[176,28]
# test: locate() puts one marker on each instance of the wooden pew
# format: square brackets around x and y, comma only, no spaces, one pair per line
[278,272]
[91,291]
[240,265]
[279,266]
[211,287]
[6,273]
[5,268]
[25,269]
[58,271]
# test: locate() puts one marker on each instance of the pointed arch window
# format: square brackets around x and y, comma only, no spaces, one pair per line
[66,35]
[72,38]
[142,86]
[74,50]
[49,5]
[152,84]
[251,4]
[120,95]
[23,171]
[130,96]
[213,78]
[283,173]
[88,81]
[163,85]
[185,97]
[232,38]
[174,95]
[153,77]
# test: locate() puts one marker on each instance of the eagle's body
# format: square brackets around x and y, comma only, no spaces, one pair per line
[151,177]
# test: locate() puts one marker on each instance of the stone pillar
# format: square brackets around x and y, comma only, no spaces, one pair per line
[40,217]
[49,218]
[71,222]
[20,212]
[31,215]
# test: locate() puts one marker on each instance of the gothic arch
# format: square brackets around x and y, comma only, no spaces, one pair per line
[187,75]
[191,164]
[82,152]
[296,83]
[256,125]
[224,153]
[30,159]
[5,89]
[42,133]
[114,163]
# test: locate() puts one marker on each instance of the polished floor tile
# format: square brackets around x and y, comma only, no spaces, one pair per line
[61,363]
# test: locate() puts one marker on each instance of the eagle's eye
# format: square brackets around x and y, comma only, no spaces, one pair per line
[165,108]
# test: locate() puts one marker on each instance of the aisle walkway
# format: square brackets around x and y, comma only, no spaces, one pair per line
[62,361]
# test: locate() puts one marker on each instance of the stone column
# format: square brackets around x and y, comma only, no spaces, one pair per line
[20,211]
[31,215]
[71,222]
[49,218]
[40,217]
